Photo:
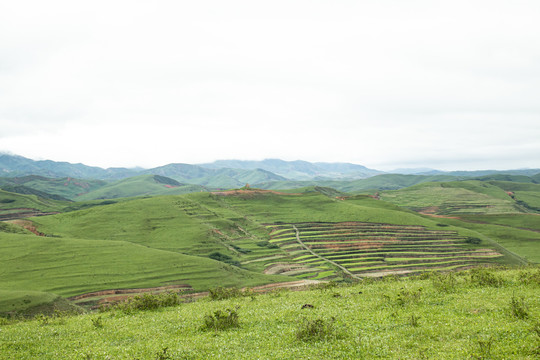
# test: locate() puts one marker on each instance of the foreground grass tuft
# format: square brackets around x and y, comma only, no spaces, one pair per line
[221,320]
[316,329]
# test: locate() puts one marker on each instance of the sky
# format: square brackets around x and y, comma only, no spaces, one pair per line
[452,85]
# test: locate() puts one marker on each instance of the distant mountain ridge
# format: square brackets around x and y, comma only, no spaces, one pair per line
[299,169]
[224,173]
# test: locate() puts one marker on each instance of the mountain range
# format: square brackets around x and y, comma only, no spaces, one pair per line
[63,180]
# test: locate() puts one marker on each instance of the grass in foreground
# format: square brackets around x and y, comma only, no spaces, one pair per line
[471,315]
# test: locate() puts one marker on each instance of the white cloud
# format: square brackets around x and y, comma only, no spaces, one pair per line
[384,84]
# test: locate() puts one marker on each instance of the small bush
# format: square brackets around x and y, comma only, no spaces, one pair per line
[413,320]
[42,319]
[162,355]
[473,240]
[97,322]
[316,330]
[444,282]
[240,249]
[484,348]
[406,296]
[221,293]
[529,277]
[221,320]
[148,302]
[485,277]
[267,244]
[216,255]
[519,308]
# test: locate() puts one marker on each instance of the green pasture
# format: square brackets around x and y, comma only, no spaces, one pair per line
[448,198]
[142,185]
[433,317]
[10,202]
[68,266]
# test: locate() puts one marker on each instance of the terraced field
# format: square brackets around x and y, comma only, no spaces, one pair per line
[361,249]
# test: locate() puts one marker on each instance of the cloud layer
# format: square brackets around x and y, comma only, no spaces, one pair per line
[452,85]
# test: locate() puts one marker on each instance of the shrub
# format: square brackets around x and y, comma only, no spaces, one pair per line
[530,277]
[406,296]
[518,308]
[162,355]
[316,330]
[148,302]
[444,282]
[240,249]
[484,277]
[221,293]
[216,255]
[484,348]
[473,240]
[221,320]
[413,320]
[267,244]
[97,322]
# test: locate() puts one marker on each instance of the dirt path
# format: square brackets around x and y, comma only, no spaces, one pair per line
[320,257]
[106,297]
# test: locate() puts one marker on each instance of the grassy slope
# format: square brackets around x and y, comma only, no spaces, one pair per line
[70,266]
[524,243]
[476,202]
[454,198]
[141,241]
[201,223]
[383,320]
[143,185]
[12,202]
[68,188]
[527,194]
[523,221]
[385,181]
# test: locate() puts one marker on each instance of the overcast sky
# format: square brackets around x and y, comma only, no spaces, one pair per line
[386,84]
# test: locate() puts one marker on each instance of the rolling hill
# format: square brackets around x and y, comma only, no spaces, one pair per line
[142,185]
[247,237]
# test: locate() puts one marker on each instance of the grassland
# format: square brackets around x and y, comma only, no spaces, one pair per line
[67,187]
[17,205]
[205,239]
[452,198]
[470,315]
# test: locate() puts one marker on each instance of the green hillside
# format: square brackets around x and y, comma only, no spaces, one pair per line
[527,195]
[472,315]
[249,236]
[451,198]
[13,205]
[67,266]
[142,185]
[239,227]
[378,182]
[67,188]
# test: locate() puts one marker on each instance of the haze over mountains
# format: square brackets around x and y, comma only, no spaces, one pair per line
[243,170]
[66,181]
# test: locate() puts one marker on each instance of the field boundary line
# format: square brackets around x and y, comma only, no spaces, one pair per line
[319,256]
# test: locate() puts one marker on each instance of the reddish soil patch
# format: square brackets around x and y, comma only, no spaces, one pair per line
[28,225]
[293,285]
[170,186]
[250,192]
[129,291]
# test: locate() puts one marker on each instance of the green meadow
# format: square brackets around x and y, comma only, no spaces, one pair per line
[486,314]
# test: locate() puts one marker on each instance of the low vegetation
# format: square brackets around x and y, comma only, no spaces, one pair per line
[406,318]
